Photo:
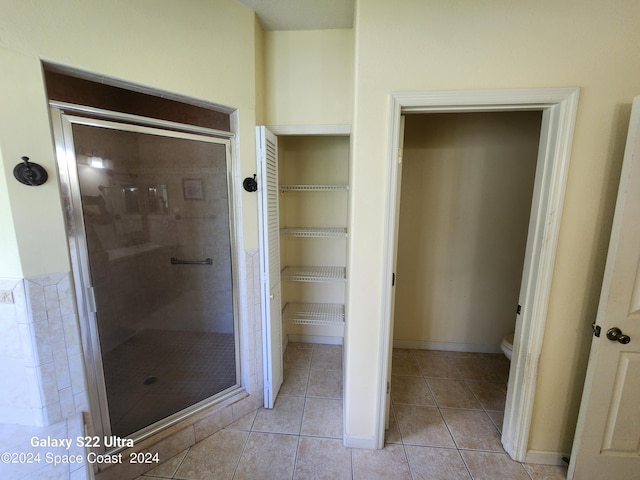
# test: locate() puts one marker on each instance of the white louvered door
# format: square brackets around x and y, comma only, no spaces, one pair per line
[269,225]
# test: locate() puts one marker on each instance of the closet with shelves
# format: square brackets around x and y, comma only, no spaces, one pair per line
[313,174]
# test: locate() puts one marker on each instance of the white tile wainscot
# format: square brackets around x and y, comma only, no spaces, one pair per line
[41,362]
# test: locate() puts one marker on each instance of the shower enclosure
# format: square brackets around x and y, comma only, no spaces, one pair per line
[151,234]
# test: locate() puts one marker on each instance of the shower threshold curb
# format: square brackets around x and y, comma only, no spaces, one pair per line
[181,435]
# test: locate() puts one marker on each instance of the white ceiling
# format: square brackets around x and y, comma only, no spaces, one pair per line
[302,14]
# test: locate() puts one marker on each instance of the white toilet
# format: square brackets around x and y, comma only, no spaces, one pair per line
[507,345]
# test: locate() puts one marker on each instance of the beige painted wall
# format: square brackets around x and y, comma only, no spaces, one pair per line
[261,108]
[464,212]
[204,50]
[309,78]
[35,220]
[9,253]
[498,44]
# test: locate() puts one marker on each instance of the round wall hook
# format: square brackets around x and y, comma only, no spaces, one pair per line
[30,174]
[250,184]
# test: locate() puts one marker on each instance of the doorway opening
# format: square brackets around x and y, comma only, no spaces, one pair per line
[467,183]
[558,107]
[464,212]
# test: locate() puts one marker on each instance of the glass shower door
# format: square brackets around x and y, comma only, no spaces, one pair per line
[156,235]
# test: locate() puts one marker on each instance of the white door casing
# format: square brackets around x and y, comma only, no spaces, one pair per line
[558,108]
[607,441]
[270,291]
[398,182]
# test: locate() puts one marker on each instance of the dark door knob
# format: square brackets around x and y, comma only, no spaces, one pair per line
[615,334]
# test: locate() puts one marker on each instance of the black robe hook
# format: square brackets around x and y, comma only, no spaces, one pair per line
[250,184]
[30,174]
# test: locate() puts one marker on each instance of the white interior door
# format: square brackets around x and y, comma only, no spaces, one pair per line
[607,441]
[269,226]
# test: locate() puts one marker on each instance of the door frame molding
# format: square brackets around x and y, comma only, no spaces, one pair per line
[559,108]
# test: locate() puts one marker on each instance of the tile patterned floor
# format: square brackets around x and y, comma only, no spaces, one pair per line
[188,366]
[445,424]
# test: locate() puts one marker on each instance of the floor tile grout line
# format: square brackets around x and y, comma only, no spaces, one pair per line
[404,445]
[326,437]
[482,450]
[173,475]
[306,384]
[304,409]
[395,414]
[486,413]
[433,395]
[458,449]
[466,465]
[295,458]
[441,415]
[406,457]
[483,409]
[353,473]
[449,429]
[465,381]
[244,447]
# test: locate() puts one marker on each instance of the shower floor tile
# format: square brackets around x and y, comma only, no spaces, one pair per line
[157,373]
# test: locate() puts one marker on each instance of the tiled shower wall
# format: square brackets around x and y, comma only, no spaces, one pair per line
[41,362]
[42,380]
[253,343]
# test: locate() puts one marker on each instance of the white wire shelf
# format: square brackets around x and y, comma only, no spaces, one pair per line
[314,274]
[315,232]
[314,313]
[314,188]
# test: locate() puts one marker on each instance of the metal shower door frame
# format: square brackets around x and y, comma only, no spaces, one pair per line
[63,118]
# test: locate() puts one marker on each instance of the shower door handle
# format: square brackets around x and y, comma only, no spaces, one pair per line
[91,298]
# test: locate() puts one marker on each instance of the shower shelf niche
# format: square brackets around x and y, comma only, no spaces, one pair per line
[314,313]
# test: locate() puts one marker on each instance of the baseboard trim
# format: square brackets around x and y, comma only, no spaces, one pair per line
[546,458]
[447,346]
[367,443]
